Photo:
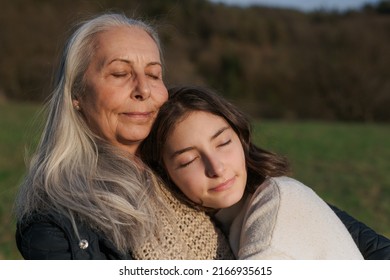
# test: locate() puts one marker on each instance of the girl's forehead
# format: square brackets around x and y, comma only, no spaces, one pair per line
[196,125]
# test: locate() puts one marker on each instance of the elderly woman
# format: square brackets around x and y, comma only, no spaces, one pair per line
[86,195]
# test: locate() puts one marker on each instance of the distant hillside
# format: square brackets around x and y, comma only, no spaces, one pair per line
[272,62]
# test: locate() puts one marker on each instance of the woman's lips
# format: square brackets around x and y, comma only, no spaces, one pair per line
[225,185]
[138,115]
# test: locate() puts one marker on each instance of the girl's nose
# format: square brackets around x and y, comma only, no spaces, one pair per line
[214,167]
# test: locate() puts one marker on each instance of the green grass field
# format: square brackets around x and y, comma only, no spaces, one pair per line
[15,133]
[346,164]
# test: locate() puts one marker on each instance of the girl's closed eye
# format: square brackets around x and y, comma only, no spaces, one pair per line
[225,143]
[185,163]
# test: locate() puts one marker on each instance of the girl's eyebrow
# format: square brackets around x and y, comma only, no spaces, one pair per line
[179,152]
[215,135]
[219,132]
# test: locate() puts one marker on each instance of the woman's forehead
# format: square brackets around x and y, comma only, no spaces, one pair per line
[126,43]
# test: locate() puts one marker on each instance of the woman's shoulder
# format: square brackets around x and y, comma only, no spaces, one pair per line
[51,236]
[43,236]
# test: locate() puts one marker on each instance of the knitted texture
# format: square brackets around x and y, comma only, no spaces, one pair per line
[189,234]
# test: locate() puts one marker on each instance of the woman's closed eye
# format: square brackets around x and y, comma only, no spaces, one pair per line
[154,73]
[121,74]
[154,77]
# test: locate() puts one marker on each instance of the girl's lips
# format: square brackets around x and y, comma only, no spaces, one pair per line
[225,185]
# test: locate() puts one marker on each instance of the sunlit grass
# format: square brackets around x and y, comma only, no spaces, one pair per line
[15,133]
[346,163]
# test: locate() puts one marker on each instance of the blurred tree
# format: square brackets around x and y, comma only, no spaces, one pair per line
[277,63]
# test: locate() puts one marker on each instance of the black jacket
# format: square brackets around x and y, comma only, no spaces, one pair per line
[51,236]
[373,246]
[44,237]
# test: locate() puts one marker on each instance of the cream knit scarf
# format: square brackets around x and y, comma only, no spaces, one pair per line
[189,235]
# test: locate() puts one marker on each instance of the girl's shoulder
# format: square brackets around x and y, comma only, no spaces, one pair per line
[286,186]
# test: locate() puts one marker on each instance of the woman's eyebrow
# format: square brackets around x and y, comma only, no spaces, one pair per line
[119,60]
[152,63]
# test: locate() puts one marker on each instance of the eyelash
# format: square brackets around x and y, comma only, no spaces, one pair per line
[119,75]
[122,75]
[225,143]
[186,164]
[154,77]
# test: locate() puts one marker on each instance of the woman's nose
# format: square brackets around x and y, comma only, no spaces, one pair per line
[214,167]
[141,90]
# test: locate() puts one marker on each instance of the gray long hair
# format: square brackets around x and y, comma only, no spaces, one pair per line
[75,173]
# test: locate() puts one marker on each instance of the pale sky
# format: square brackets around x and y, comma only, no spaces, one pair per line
[304,5]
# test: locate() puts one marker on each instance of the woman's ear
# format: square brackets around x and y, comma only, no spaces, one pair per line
[76,104]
